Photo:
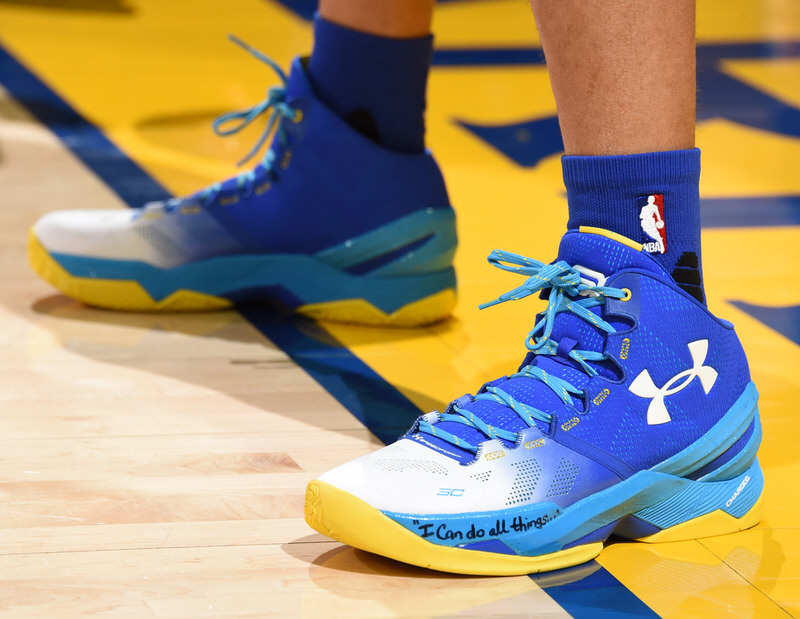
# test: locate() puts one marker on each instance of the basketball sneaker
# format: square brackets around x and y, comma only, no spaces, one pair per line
[330,224]
[632,414]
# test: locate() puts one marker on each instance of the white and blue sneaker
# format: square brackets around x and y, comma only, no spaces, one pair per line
[330,224]
[632,414]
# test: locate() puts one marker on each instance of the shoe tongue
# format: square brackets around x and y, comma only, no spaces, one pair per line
[597,257]
[298,85]
[603,255]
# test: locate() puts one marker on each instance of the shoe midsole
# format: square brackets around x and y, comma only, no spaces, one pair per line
[391,266]
[294,280]
[657,496]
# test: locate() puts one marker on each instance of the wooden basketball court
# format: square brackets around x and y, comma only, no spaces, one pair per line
[155,465]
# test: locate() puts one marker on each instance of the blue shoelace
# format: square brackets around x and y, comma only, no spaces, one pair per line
[567,294]
[233,122]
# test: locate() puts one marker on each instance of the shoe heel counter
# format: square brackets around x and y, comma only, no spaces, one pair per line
[420,243]
[736,459]
[741,454]
[738,353]
[434,249]
[700,509]
[436,185]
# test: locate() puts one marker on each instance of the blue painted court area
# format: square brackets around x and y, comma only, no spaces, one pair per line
[592,591]
[88,143]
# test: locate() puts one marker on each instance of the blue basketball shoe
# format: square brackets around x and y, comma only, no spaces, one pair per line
[330,224]
[632,414]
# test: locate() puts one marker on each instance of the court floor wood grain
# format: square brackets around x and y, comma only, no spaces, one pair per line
[154,465]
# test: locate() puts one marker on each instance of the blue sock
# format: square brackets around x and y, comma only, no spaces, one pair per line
[375,83]
[652,198]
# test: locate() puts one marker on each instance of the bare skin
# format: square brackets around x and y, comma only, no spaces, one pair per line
[397,19]
[622,72]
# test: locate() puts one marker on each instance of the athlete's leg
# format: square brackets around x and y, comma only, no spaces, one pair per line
[623,73]
[396,19]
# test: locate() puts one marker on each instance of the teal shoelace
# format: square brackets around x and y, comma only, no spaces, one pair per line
[567,294]
[233,122]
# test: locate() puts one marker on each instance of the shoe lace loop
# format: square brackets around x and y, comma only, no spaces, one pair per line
[232,122]
[568,293]
[276,100]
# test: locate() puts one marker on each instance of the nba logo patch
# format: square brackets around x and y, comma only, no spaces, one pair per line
[651,216]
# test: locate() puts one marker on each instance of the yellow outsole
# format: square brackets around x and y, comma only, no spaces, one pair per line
[114,294]
[348,519]
[419,313]
[128,295]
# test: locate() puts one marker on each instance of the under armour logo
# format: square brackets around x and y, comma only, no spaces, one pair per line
[644,387]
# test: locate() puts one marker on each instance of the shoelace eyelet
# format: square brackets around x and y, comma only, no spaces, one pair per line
[628,295]
[298,116]
[263,188]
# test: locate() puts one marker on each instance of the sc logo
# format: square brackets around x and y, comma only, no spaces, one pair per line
[450,492]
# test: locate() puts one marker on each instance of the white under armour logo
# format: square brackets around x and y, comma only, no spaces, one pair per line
[644,387]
